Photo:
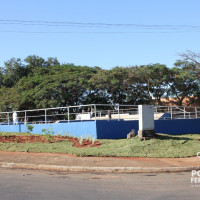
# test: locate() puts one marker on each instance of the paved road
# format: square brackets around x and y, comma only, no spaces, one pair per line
[46,185]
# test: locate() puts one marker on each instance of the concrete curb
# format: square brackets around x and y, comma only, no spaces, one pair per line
[88,169]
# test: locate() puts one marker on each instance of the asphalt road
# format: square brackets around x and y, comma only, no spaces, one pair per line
[48,185]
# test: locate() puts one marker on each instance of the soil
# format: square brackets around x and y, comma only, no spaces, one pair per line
[48,139]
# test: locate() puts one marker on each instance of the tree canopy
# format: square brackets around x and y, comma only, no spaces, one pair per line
[39,83]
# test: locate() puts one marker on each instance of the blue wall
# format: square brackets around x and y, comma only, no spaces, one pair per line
[9,128]
[77,129]
[119,129]
[177,126]
[113,129]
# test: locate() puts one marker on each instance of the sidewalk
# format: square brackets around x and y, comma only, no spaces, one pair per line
[63,162]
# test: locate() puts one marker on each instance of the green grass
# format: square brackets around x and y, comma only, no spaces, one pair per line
[164,146]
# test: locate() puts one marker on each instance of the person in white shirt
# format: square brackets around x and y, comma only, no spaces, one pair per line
[15,118]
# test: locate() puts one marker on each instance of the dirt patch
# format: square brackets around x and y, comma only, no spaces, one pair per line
[49,139]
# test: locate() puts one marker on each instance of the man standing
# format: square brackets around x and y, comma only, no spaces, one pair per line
[15,119]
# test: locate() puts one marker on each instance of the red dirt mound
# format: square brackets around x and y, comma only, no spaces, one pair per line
[48,139]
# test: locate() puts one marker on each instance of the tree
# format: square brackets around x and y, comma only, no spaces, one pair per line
[38,65]
[1,77]
[191,56]
[109,85]
[152,81]
[99,87]
[51,61]
[13,71]
[136,86]
[117,78]
[40,83]
[158,81]
[183,82]
[96,89]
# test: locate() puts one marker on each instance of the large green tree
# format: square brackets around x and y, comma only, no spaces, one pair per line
[62,86]
[13,71]
[40,83]
[150,83]
[184,82]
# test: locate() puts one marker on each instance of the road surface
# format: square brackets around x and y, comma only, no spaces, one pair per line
[50,185]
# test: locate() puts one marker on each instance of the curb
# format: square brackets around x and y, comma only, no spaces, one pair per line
[88,169]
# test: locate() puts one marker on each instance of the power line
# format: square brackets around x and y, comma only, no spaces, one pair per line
[86,24]
[138,28]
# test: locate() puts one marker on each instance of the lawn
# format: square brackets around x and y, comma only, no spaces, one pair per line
[162,146]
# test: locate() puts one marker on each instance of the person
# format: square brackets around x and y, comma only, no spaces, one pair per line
[15,118]
[109,114]
[25,120]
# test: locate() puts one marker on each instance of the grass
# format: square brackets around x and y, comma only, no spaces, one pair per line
[167,146]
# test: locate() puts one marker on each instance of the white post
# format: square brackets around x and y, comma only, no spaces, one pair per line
[146,121]
[25,117]
[184,112]
[68,114]
[95,112]
[171,112]
[196,113]
[8,119]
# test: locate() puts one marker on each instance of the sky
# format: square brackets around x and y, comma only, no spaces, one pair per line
[103,33]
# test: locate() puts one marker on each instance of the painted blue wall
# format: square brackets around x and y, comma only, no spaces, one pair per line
[9,128]
[177,126]
[119,129]
[76,129]
[115,129]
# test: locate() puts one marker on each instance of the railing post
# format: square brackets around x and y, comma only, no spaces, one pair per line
[184,112]
[171,111]
[196,113]
[25,117]
[95,112]
[91,112]
[68,113]
[8,118]
[45,116]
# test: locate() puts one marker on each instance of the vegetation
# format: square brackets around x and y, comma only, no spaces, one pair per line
[39,83]
[162,146]
[48,134]
[29,128]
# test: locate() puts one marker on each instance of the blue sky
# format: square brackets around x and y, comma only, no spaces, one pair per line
[136,41]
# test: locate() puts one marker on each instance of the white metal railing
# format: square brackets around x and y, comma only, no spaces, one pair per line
[177,112]
[96,112]
[71,113]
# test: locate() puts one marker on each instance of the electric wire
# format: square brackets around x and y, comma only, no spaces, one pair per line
[114,28]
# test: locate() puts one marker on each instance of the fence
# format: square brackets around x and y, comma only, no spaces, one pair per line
[93,112]
[176,112]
